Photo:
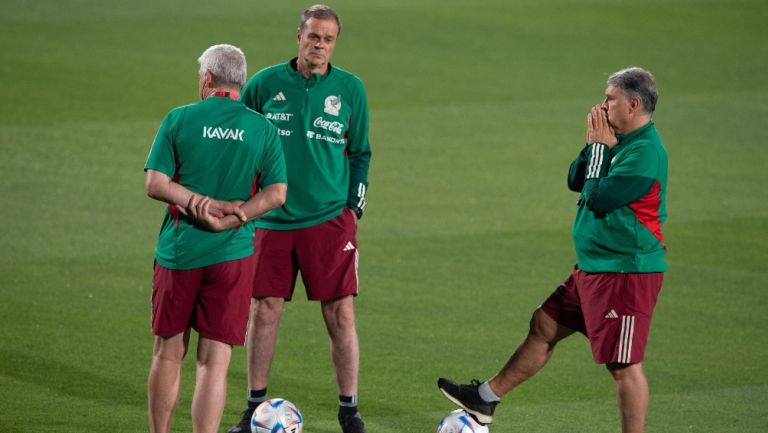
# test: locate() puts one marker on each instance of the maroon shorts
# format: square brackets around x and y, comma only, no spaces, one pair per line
[613,310]
[214,300]
[326,254]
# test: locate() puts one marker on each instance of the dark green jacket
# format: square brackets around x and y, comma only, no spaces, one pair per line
[323,124]
[622,204]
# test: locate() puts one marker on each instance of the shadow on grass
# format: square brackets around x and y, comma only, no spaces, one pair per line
[48,373]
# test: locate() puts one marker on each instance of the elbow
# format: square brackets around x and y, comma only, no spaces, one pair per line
[598,209]
[279,201]
[278,198]
[152,189]
[574,187]
[156,185]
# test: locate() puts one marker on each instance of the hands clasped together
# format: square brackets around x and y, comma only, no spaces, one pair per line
[214,215]
[598,128]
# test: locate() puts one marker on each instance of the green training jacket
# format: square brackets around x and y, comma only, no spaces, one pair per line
[622,204]
[322,122]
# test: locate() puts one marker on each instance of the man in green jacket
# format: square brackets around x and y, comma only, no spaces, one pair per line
[622,176]
[321,114]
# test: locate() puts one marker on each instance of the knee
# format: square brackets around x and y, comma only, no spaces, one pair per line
[169,357]
[170,349]
[339,315]
[626,372]
[540,326]
[346,320]
[213,354]
[266,311]
[545,329]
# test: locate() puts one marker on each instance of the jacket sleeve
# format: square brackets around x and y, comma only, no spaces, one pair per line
[606,190]
[577,170]
[358,150]
[271,167]
[162,154]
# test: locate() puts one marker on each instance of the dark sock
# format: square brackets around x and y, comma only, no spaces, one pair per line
[256,397]
[347,406]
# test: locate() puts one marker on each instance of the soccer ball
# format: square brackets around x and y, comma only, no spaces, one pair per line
[460,421]
[276,416]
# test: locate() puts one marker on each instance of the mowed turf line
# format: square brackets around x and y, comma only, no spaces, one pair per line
[477,110]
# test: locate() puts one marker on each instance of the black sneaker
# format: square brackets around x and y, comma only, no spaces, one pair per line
[244,426]
[352,424]
[469,399]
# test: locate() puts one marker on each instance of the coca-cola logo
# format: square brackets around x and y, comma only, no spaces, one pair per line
[328,126]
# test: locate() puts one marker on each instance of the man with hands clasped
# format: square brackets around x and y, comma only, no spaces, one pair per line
[204,265]
[621,175]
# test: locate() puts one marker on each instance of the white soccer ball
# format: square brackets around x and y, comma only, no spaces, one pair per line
[460,421]
[276,416]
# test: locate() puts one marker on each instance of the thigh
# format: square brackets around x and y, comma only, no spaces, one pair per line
[173,299]
[221,312]
[328,258]
[564,305]
[276,265]
[618,308]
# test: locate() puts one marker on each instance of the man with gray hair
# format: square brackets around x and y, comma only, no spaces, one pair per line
[621,175]
[204,257]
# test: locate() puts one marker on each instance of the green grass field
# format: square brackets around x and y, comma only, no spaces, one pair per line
[477,109]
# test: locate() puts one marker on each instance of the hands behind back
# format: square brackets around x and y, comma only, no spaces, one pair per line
[215,215]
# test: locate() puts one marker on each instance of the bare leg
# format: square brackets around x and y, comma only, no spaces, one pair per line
[531,355]
[210,385]
[631,394]
[164,379]
[262,335]
[339,316]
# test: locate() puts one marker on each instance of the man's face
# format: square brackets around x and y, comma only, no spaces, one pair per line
[317,41]
[618,108]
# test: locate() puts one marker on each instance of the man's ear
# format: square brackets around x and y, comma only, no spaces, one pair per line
[209,78]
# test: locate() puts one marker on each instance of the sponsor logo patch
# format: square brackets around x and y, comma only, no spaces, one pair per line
[328,126]
[326,138]
[279,116]
[222,133]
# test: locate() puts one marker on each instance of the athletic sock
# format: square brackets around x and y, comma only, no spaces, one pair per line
[347,406]
[486,393]
[256,397]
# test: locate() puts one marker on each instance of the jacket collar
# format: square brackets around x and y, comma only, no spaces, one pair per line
[313,79]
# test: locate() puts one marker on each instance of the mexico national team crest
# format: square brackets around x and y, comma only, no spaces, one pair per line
[332,105]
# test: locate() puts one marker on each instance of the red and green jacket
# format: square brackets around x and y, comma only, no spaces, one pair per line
[622,204]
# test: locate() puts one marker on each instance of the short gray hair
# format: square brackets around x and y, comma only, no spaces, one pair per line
[320,12]
[226,63]
[638,83]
